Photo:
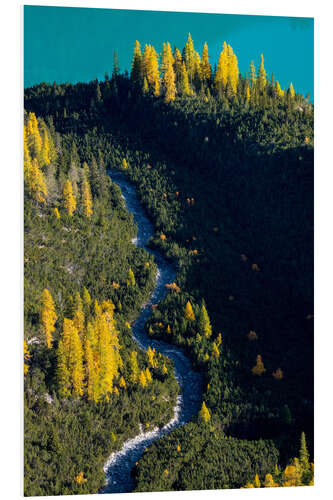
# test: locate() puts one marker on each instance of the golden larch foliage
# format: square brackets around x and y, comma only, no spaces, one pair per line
[26,357]
[142,379]
[134,375]
[189,57]
[227,69]
[48,316]
[75,362]
[204,413]
[148,375]
[278,89]
[91,374]
[36,181]
[184,86]
[262,75]
[189,314]
[130,278]
[122,383]
[259,368]
[215,350]
[46,160]
[69,198]
[151,357]
[80,479]
[206,70]
[252,335]
[87,199]
[278,374]
[269,481]
[256,482]
[292,475]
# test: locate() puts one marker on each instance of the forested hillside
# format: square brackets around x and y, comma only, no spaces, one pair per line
[223,163]
[87,386]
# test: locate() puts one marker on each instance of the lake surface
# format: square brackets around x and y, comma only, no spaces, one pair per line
[67,44]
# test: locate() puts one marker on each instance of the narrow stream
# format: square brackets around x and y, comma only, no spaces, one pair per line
[119,465]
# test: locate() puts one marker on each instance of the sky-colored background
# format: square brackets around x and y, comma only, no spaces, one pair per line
[65,44]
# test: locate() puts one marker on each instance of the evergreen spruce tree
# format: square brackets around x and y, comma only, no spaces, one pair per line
[137,66]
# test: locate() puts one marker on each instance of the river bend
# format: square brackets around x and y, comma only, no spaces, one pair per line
[120,463]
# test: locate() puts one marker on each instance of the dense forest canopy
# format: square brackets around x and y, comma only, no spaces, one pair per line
[223,163]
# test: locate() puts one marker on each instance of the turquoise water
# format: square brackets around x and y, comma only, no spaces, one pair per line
[66,44]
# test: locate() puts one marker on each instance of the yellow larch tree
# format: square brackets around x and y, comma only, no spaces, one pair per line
[27,157]
[46,160]
[221,74]
[189,57]
[26,357]
[86,199]
[259,368]
[69,198]
[36,182]
[269,482]
[233,71]
[151,357]
[122,383]
[76,362]
[206,70]
[184,86]
[169,78]
[262,75]
[256,482]
[292,474]
[34,138]
[151,70]
[253,75]
[189,314]
[108,349]
[204,413]
[90,371]
[91,334]
[148,375]
[291,90]
[142,379]
[79,319]
[278,90]
[48,316]
[130,278]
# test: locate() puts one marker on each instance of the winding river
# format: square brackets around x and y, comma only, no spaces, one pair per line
[119,465]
